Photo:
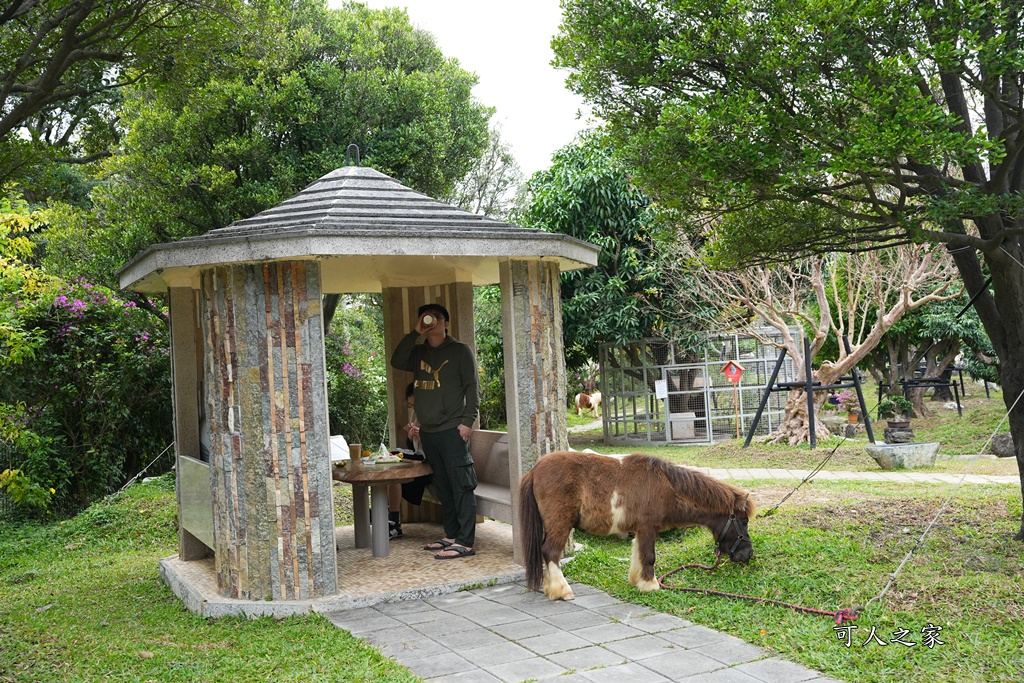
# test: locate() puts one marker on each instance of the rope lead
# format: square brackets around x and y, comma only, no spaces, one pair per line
[841,616]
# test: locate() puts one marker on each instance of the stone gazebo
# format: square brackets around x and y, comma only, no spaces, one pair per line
[250,411]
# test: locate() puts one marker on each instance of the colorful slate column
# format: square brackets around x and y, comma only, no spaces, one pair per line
[273,519]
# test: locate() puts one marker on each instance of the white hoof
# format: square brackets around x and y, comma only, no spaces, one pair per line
[647,586]
[555,585]
[555,593]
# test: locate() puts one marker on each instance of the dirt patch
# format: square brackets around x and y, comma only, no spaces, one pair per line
[901,513]
[771,495]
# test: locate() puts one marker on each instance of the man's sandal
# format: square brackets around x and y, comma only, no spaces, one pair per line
[459,550]
[439,544]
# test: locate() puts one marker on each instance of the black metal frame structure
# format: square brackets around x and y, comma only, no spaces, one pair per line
[852,381]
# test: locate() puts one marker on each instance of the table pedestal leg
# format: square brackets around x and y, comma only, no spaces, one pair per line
[379,511]
[361,513]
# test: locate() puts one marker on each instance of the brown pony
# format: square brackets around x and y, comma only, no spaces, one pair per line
[591,402]
[604,495]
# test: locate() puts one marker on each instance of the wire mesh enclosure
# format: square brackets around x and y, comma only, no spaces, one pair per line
[655,392]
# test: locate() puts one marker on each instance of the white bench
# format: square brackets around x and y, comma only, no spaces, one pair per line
[490,460]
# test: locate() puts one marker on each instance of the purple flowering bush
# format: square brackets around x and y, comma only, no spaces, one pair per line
[91,381]
[357,400]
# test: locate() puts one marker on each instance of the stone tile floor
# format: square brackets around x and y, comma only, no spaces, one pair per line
[505,633]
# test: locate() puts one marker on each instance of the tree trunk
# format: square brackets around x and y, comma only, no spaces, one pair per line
[1009,298]
[331,302]
[795,427]
[1002,314]
[944,394]
[1012,380]
[916,396]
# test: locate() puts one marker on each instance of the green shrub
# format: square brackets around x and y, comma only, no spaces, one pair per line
[892,407]
[490,357]
[24,492]
[90,387]
[356,374]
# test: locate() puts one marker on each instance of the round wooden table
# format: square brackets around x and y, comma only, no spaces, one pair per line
[377,478]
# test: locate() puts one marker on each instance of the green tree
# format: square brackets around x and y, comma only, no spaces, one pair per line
[272,110]
[932,337]
[17,277]
[357,395]
[808,126]
[491,187]
[63,64]
[824,299]
[490,357]
[586,195]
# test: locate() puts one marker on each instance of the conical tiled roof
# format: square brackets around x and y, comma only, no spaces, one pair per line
[358,199]
[358,212]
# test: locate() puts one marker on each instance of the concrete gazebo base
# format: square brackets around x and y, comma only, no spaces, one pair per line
[407,573]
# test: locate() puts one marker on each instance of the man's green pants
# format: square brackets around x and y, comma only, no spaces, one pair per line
[454,483]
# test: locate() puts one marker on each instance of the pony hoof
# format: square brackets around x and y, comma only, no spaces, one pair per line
[564,596]
[555,594]
[647,586]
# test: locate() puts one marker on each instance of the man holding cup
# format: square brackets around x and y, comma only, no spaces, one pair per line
[447,395]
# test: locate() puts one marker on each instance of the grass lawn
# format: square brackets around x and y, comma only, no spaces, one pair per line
[82,600]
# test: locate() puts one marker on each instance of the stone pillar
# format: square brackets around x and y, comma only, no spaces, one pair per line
[270,460]
[186,359]
[531,315]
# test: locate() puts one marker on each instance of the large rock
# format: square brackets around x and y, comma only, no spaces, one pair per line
[1002,445]
[898,456]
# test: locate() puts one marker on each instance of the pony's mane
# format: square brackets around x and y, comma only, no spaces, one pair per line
[715,496]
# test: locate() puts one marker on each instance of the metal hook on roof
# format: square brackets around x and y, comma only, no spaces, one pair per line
[352,155]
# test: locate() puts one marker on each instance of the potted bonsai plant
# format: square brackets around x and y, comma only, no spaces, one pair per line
[847,402]
[896,411]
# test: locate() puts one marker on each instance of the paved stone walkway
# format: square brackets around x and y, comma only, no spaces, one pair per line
[508,634]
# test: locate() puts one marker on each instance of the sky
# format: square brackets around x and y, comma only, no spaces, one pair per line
[506,43]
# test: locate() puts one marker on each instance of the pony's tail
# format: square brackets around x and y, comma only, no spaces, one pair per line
[533,532]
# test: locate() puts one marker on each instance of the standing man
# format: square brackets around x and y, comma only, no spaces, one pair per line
[447,398]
